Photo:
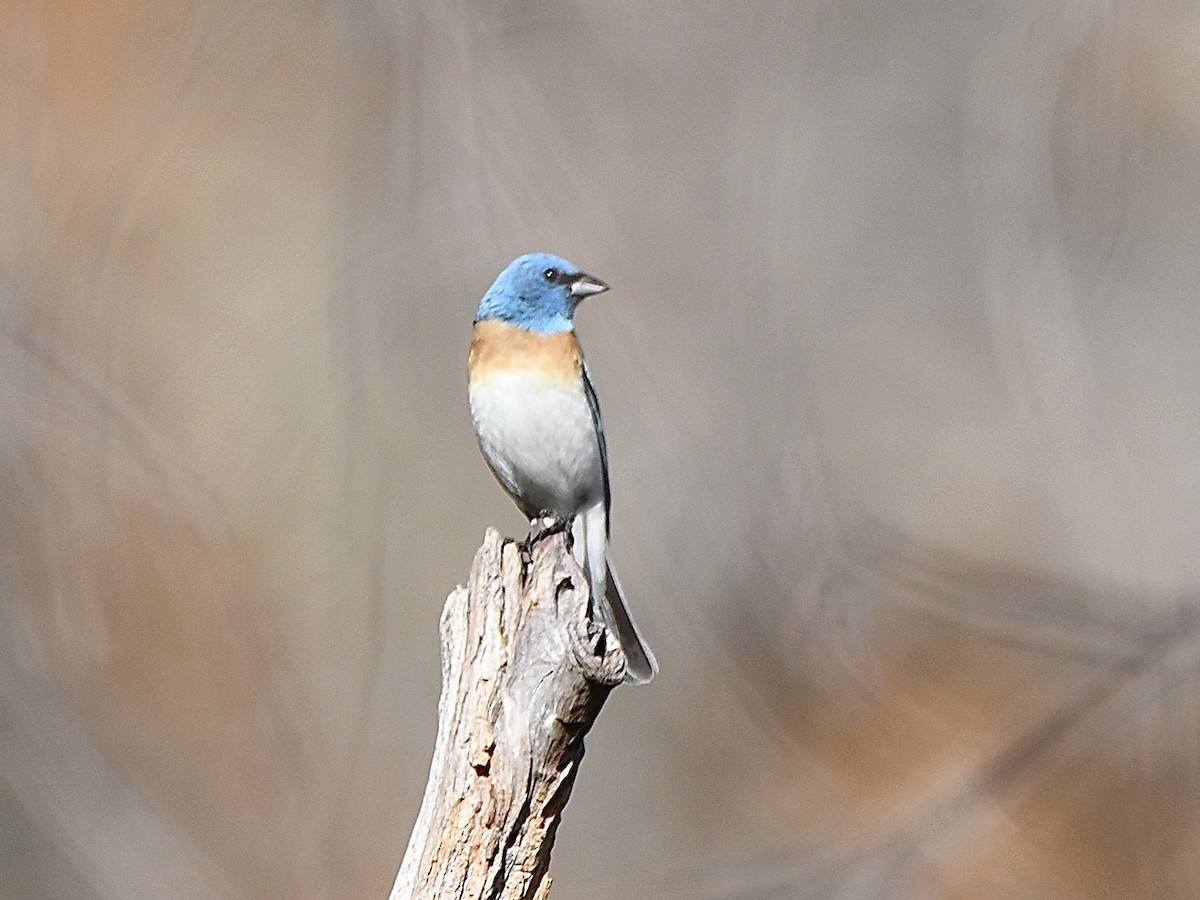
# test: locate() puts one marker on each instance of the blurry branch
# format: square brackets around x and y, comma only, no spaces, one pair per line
[1017,606]
[525,671]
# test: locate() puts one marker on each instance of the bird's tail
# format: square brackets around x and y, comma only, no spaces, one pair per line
[640,665]
[591,549]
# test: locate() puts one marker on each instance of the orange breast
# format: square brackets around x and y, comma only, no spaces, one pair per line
[498,347]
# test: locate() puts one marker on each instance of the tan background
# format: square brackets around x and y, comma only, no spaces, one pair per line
[900,372]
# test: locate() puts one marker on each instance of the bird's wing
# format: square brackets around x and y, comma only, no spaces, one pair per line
[594,407]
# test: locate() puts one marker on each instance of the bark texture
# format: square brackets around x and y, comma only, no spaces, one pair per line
[526,668]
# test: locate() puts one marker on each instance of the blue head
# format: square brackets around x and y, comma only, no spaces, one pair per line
[538,292]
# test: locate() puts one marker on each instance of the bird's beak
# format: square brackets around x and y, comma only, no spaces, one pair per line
[586,285]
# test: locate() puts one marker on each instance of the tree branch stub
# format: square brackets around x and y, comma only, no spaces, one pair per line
[526,668]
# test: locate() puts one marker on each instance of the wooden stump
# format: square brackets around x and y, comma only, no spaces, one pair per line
[526,668]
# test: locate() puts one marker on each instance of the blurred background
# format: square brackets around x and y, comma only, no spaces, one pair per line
[900,374]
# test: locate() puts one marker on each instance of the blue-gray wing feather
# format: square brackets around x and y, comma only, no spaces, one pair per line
[598,424]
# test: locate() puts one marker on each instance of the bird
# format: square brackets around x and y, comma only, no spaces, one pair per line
[538,422]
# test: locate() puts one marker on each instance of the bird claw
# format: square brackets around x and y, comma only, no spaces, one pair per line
[557,525]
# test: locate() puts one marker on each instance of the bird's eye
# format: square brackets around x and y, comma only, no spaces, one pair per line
[551,275]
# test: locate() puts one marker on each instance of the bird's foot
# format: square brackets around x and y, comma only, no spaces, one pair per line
[555,525]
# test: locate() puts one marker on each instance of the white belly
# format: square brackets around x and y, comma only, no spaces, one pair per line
[537,435]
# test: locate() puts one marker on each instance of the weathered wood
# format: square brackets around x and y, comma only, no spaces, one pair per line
[525,671]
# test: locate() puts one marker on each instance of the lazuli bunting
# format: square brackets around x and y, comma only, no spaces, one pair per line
[538,421]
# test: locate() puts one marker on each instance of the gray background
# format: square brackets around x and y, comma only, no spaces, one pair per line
[900,376]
